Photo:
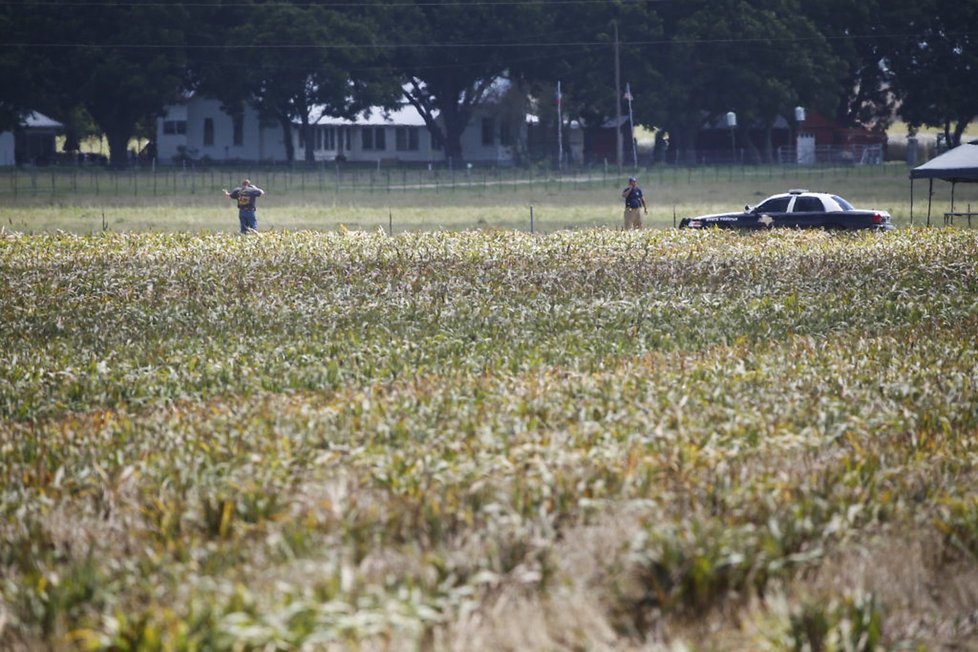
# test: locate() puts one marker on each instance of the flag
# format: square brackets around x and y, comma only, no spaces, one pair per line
[628,92]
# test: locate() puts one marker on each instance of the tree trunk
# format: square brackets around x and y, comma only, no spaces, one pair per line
[118,137]
[959,131]
[453,126]
[118,125]
[454,119]
[751,154]
[309,137]
[769,143]
[659,151]
[287,137]
[683,139]
[72,139]
[453,143]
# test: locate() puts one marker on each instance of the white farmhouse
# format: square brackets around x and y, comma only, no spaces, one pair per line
[8,152]
[198,129]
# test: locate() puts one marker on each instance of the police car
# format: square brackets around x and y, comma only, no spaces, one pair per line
[797,209]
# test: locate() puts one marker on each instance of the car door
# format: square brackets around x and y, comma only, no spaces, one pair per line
[770,212]
[808,212]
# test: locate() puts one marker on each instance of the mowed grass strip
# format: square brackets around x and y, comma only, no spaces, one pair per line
[137,202]
[487,439]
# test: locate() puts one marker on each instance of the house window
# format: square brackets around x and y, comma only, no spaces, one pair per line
[505,134]
[488,132]
[172,127]
[238,123]
[208,131]
[406,139]
[326,138]
[374,138]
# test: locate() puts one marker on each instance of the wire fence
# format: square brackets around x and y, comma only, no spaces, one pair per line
[157,181]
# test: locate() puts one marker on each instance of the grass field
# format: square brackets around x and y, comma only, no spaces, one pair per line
[88,200]
[486,439]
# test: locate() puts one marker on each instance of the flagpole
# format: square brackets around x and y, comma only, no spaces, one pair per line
[617,101]
[631,124]
[560,135]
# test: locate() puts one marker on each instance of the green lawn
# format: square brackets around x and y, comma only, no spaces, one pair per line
[88,200]
[486,439]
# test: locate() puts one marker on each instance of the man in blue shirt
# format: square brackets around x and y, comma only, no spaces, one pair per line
[634,205]
[246,194]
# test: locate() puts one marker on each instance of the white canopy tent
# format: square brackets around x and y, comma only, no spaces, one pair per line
[959,165]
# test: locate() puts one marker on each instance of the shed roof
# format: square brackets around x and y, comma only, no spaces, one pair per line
[956,165]
[36,120]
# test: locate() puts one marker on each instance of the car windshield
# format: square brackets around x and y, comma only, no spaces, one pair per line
[846,206]
[773,205]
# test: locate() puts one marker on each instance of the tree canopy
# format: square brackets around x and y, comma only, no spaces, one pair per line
[294,63]
[120,64]
[931,62]
[450,55]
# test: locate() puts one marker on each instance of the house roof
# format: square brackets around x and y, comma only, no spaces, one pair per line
[958,164]
[405,116]
[36,120]
[610,122]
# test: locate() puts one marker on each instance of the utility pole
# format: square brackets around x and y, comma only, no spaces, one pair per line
[560,136]
[631,125]
[618,147]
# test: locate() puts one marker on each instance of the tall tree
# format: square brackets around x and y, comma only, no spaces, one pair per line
[449,55]
[758,58]
[578,48]
[295,64]
[121,62]
[855,31]
[16,76]
[932,61]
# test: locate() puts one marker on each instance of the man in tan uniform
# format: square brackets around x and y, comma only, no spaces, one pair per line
[634,205]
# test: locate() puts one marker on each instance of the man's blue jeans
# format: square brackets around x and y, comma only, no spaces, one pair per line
[248,219]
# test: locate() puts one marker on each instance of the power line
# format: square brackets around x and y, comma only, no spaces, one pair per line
[336,5]
[515,44]
[287,46]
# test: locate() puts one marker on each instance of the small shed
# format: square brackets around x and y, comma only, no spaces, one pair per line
[959,165]
[33,141]
[600,142]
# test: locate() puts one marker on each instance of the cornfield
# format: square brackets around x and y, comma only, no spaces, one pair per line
[489,440]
